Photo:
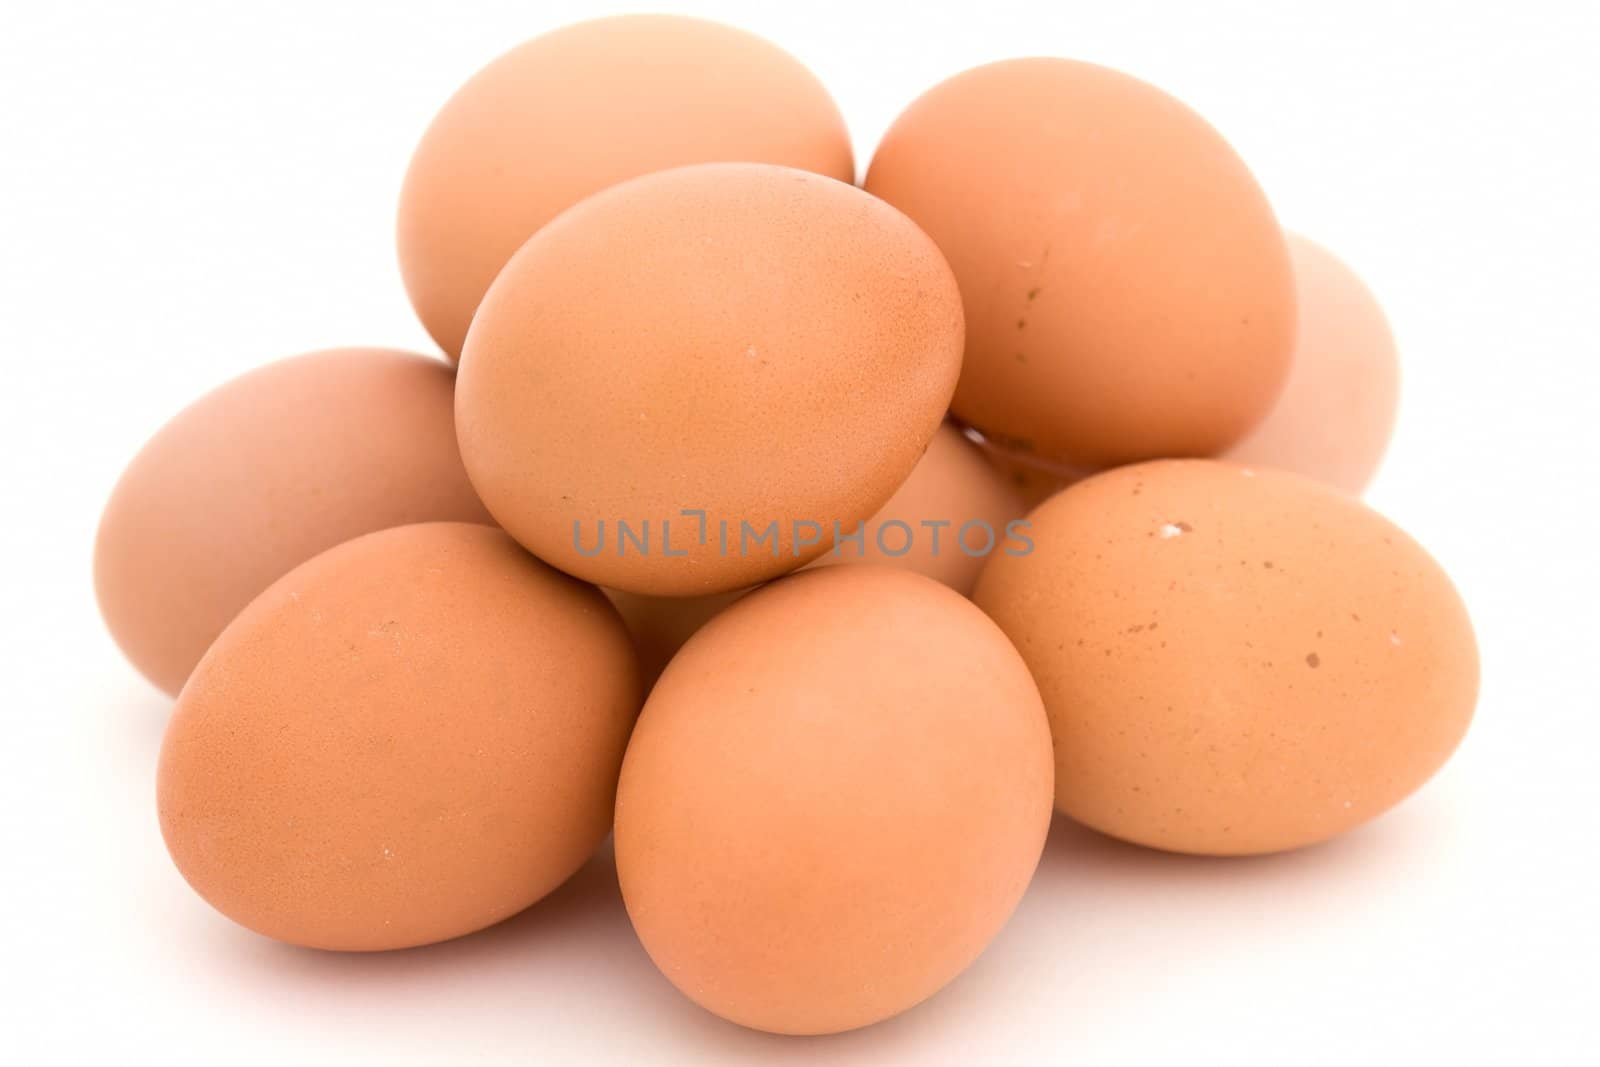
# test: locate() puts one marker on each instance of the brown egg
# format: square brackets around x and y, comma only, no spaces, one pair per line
[950,487]
[1033,485]
[1128,293]
[260,475]
[1034,480]
[682,384]
[943,522]
[1335,416]
[1233,661]
[835,797]
[574,111]
[408,738]
[661,624]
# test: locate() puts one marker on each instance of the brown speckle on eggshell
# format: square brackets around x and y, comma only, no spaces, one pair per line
[1127,288]
[1218,649]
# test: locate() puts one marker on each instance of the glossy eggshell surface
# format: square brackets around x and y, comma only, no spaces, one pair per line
[1233,661]
[1128,293]
[408,738]
[764,345]
[834,799]
[574,111]
[1333,421]
[260,475]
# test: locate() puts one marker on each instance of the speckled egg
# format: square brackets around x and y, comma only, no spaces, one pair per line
[1128,293]
[1233,660]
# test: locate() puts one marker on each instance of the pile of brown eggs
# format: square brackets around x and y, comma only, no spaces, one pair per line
[411,608]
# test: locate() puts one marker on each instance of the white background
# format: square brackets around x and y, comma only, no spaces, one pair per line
[189,189]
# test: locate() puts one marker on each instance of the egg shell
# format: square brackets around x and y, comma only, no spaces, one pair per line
[953,510]
[1336,415]
[1128,292]
[1034,480]
[1234,661]
[835,797]
[1033,485]
[572,112]
[951,484]
[408,738]
[758,343]
[260,475]
[661,624]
